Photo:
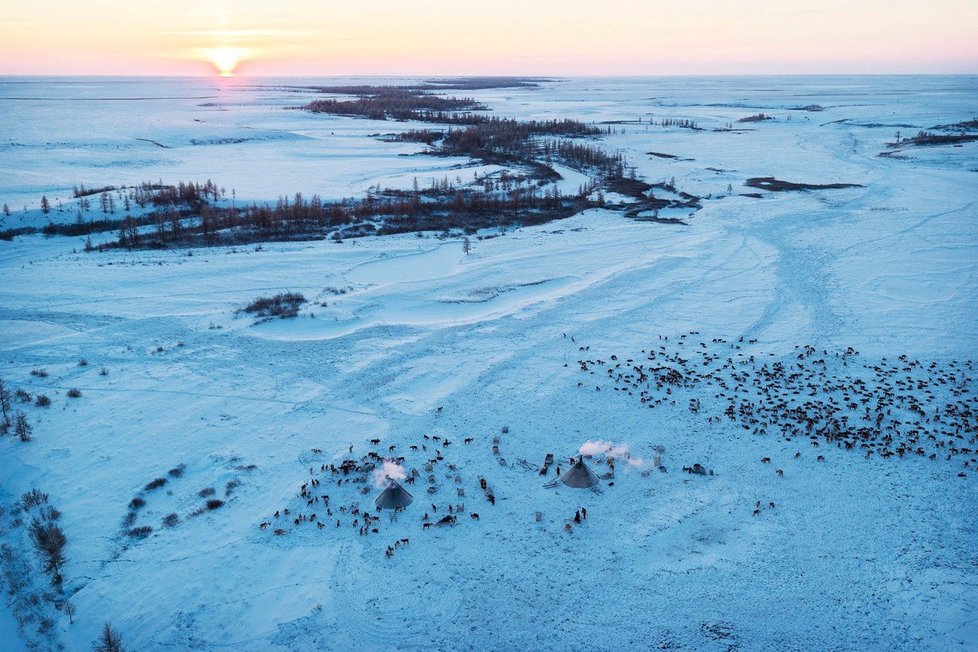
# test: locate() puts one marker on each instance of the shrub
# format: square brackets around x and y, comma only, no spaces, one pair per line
[33,498]
[23,397]
[74,393]
[129,519]
[51,513]
[140,532]
[42,400]
[38,372]
[204,493]
[83,362]
[177,471]
[283,305]
[231,486]
[214,503]
[50,540]
[136,503]
[155,484]
[170,520]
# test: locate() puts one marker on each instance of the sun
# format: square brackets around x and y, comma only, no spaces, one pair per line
[225,59]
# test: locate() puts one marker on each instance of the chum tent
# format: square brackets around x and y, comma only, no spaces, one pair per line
[393,497]
[580,476]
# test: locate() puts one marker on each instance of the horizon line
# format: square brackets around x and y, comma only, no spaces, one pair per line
[538,77]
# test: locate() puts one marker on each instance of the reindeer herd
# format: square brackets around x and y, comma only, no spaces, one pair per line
[330,497]
[890,408]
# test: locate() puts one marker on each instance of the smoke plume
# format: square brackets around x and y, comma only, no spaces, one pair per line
[387,470]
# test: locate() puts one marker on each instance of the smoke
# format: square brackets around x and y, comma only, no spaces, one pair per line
[387,470]
[608,448]
[612,450]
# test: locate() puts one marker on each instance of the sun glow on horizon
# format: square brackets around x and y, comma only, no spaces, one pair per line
[224,59]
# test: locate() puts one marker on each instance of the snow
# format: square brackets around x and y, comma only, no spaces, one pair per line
[417,338]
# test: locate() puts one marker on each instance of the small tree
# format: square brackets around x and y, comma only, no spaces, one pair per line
[21,427]
[50,540]
[6,210]
[6,396]
[45,205]
[466,246]
[69,609]
[109,641]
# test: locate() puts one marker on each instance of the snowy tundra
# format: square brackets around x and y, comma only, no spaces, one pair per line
[468,364]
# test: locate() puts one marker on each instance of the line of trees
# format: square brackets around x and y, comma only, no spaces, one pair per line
[443,206]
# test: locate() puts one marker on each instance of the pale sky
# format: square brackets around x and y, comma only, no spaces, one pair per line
[529,37]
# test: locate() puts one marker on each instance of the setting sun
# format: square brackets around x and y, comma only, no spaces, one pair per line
[224,59]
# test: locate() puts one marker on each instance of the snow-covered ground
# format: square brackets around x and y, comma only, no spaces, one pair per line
[405,339]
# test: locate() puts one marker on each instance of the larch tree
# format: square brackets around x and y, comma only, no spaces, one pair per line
[109,641]
[21,427]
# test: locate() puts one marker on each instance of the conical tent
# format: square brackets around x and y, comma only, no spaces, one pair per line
[394,497]
[580,476]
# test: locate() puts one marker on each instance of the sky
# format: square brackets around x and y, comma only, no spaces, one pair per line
[527,37]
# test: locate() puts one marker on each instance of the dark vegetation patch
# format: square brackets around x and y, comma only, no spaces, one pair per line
[966,125]
[485,83]
[426,136]
[658,220]
[231,486]
[661,155]
[929,138]
[505,201]
[140,532]
[74,393]
[155,484]
[214,503]
[629,187]
[776,185]
[757,117]
[42,400]
[33,498]
[284,305]
[81,191]
[391,103]
[682,123]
